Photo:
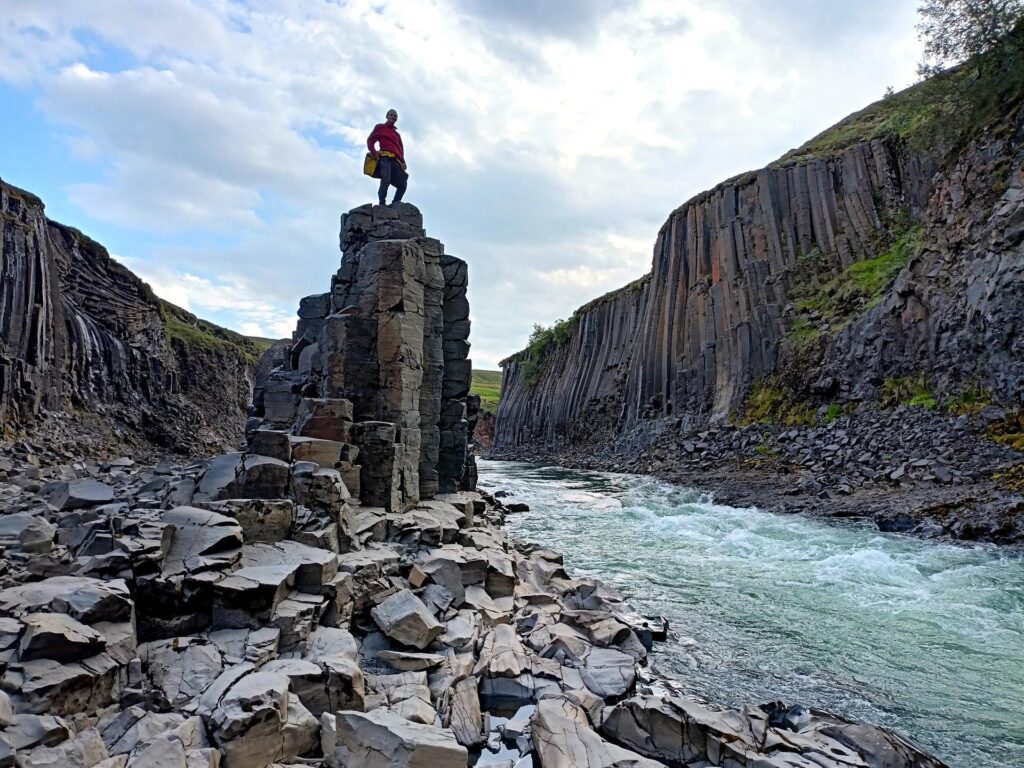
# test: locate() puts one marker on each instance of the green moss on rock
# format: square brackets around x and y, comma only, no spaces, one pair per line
[188,330]
[769,403]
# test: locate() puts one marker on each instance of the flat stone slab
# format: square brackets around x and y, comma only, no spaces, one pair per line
[59,637]
[383,739]
[79,494]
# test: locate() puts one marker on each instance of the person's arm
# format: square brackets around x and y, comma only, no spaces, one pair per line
[371,140]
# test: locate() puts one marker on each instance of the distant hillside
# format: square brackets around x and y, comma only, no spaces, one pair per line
[487,384]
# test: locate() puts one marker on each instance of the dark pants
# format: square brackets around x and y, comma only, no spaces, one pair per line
[391,174]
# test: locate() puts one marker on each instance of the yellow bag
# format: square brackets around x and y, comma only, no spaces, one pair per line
[370,166]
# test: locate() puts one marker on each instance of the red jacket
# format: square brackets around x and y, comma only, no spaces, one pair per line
[389,140]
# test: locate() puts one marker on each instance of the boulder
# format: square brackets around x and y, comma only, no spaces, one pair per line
[255,722]
[313,567]
[79,494]
[202,540]
[59,637]
[564,739]
[404,617]
[382,739]
[86,599]
[261,520]
[181,669]
[460,711]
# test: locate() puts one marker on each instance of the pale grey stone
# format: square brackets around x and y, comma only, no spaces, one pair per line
[404,617]
[382,739]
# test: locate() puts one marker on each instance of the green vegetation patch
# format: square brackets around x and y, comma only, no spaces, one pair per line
[1008,431]
[1011,479]
[856,289]
[487,384]
[262,343]
[907,390]
[970,401]
[189,330]
[768,403]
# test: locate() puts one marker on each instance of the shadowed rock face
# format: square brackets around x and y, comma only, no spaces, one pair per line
[718,311]
[78,330]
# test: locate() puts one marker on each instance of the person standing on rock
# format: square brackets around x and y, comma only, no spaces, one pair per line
[390,157]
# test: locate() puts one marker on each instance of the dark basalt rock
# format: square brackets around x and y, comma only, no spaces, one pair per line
[80,332]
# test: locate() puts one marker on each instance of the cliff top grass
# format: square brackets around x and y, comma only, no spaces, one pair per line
[187,329]
[487,384]
[626,290]
[262,343]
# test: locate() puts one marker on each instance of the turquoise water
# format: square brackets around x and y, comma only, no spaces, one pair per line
[924,637]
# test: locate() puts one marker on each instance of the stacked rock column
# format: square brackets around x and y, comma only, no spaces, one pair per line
[390,338]
[458,374]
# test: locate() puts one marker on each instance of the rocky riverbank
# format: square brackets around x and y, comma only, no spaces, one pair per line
[337,593]
[157,615]
[910,469]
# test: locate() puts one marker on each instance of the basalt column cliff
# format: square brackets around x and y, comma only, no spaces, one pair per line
[336,594]
[83,339]
[841,275]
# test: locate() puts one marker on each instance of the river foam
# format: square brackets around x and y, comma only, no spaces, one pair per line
[924,637]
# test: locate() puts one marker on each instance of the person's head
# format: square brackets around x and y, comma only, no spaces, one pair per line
[392,116]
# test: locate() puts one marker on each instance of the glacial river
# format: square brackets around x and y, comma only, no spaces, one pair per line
[926,638]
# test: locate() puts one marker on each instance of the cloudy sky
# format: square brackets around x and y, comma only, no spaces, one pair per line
[211,144]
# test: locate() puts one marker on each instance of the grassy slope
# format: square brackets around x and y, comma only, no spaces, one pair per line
[487,384]
[191,331]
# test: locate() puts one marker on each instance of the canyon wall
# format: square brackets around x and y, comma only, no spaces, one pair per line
[82,336]
[745,284]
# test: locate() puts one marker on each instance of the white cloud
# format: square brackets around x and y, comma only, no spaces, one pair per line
[228,295]
[545,147]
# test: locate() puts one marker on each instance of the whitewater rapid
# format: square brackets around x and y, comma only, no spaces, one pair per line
[924,637]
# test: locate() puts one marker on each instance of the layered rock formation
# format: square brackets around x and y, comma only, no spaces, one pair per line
[79,332]
[746,288]
[318,600]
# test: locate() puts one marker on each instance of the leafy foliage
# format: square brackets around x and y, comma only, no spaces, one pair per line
[542,340]
[955,30]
